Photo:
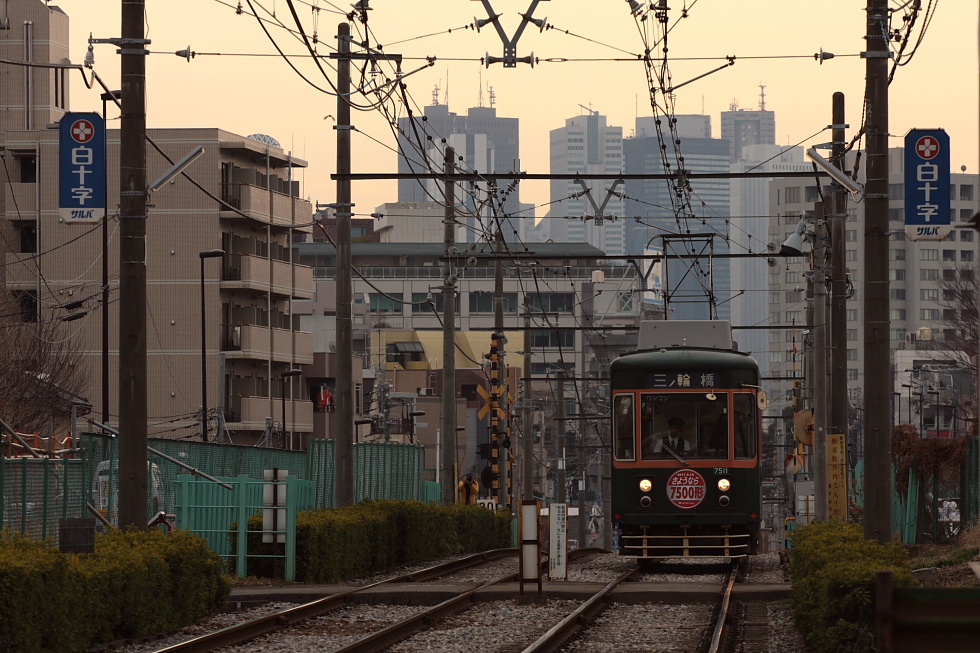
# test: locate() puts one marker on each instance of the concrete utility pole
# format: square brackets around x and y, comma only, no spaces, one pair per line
[132,270]
[448,479]
[498,325]
[560,457]
[837,421]
[344,436]
[877,393]
[527,453]
[820,378]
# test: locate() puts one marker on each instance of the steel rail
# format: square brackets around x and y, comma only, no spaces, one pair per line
[726,599]
[568,627]
[253,628]
[401,630]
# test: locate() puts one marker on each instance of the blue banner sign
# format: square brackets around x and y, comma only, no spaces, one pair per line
[927,211]
[81,168]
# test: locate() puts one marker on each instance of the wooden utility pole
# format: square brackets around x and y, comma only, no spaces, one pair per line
[877,369]
[527,422]
[132,270]
[820,377]
[498,325]
[448,479]
[560,453]
[344,436]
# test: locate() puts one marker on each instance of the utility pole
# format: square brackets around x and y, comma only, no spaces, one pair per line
[560,457]
[132,270]
[498,325]
[820,378]
[527,453]
[448,480]
[838,422]
[877,393]
[344,436]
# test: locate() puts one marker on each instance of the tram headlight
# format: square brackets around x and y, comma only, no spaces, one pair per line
[645,485]
[724,501]
[724,484]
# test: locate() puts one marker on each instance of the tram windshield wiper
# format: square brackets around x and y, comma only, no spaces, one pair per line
[666,447]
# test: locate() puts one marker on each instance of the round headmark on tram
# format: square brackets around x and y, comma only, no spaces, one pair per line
[686,488]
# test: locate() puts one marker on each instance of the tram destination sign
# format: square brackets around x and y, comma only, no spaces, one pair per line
[81,168]
[927,209]
[682,380]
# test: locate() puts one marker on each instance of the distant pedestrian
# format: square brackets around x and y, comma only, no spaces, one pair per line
[469,490]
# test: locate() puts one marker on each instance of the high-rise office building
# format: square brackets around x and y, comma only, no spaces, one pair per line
[690,235]
[484,141]
[742,128]
[587,145]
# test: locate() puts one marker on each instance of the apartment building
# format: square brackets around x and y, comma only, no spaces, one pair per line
[922,320]
[239,197]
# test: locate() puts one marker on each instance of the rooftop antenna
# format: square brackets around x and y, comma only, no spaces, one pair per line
[762,96]
[733,106]
[479,97]
[435,96]
[446,98]
[589,108]
[493,96]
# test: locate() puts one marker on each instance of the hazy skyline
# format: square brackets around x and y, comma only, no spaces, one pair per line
[773,43]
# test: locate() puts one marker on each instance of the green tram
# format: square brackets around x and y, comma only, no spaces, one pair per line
[687,439]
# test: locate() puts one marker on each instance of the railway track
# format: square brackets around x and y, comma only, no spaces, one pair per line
[671,606]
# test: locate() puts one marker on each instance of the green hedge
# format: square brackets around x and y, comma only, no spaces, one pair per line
[834,569]
[337,544]
[135,584]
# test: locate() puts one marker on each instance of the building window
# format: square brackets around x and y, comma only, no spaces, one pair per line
[427,303]
[929,294]
[852,354]
[966,193]
[897,294]
[792,276]
[482,302]
[966,236]
[929,314]
[896,191]
[793,195]
[896,314]
[852,335]
[852,314]
[387,303]
[949,254]
[555,302]
[896,274]
[774,337]
[950,237]
[545,338]
[897,334]
[928,254]
[965,215]
[896,255]
[851,255]
[774,297]
[850,235]
[794,317]
[929,275]
[896,215]
[792,296]
[966,256]
[852,374]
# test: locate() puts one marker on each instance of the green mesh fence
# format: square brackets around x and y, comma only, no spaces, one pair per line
[382,470]
[389,470]
[322,469]
[37,493]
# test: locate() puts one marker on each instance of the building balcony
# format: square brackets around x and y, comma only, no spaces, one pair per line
[21,270]
[260,274]
[251,341]
[254,202]
[247,413]
[21,201]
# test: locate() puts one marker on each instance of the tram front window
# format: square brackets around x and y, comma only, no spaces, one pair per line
[690,425]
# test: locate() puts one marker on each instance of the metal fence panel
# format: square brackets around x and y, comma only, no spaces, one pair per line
[37,492]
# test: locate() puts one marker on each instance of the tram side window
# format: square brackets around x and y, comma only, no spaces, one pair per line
[746,429]
[625,424]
